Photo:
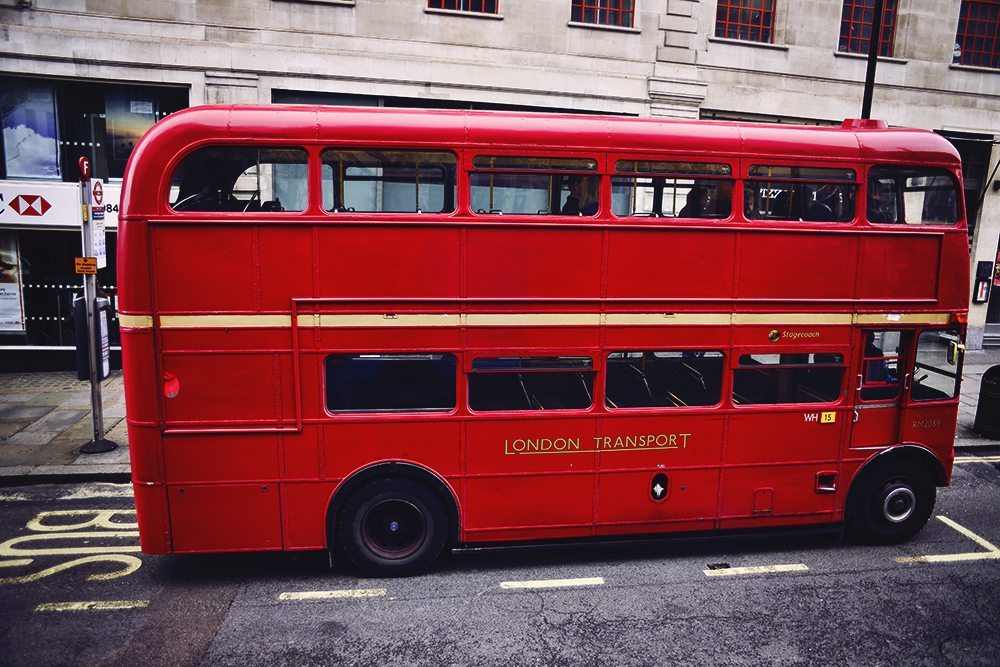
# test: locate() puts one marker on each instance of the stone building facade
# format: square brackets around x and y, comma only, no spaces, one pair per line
[103,68]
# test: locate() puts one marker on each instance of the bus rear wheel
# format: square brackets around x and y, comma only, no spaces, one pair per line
[393,527]
[891,502]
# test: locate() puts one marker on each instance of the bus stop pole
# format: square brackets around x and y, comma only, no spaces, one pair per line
[874,44]
[98,444]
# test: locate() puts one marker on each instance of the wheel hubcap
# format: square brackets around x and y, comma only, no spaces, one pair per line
[393,528]
[899,504]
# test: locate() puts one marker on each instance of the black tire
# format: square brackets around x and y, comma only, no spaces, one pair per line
[393,527]
[890,502]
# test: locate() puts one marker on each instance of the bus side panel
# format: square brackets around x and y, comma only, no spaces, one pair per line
[954,294]
[211,275]
[387,261]
[225,517]
[152,516]
[303,510]
[212,458]
[660,263]
[811,266]
[529,478]
[434,444]
[533,263]
[898,267]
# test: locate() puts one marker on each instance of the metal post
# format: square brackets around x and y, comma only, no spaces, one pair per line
[874,42]
[99,443]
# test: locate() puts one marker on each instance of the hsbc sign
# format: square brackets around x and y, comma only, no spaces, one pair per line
[40,204]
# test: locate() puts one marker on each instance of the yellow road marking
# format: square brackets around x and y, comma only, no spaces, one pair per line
[553,583]
[333,595]
[968,533]
[758,569]
[992,553]
[15,563]
[93,605]
[129,564]
[977,459]
[951,558]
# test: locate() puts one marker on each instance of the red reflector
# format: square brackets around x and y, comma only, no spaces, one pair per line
[959,318]
[864,124]
[171,385]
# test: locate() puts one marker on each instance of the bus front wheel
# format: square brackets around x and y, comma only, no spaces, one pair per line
[393,527]
[891,502]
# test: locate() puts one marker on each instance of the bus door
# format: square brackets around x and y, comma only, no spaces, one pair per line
[930,411]
[883,369]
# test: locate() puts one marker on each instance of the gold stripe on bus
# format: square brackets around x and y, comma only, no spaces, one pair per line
[382,320]
[902,318]
[223,321]
[791,318]
[135,321]
[638,319]
[532,319]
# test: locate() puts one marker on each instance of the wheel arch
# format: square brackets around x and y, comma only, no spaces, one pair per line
[400,469]
[911,452]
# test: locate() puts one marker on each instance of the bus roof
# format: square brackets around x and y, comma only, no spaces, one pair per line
[173,136]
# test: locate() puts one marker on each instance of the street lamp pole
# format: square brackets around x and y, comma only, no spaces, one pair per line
[874,42]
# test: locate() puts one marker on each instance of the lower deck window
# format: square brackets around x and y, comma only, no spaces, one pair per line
[765,379]
[672,379]
[390,382]
[531,383]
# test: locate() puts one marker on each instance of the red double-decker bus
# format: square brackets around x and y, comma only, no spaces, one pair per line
[392,332]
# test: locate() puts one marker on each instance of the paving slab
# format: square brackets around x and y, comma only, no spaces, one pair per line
[58,420]
[20,412]
[8,429]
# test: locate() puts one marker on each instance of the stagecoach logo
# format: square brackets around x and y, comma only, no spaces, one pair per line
[774,335]
[606,443]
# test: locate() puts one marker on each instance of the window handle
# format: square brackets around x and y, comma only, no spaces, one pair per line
[857,416]
[860,381]
[906,381]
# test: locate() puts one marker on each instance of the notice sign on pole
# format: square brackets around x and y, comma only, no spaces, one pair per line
[97,226]
[85,265]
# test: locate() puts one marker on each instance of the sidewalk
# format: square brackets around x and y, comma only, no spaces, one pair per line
[45,419]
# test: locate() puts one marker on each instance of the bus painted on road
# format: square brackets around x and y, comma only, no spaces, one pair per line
[387,333]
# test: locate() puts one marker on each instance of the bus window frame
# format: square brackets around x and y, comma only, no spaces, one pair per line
[600,156]
[960,224]
[461,394]
[725,383]
[857,166]
[322,148]
[845,366]
[166,210]
[732,161]
[471,354]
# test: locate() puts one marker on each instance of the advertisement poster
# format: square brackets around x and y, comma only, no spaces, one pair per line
[30,135]
[11,305]
[129,113]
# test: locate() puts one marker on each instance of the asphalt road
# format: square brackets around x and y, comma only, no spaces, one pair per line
[74,590]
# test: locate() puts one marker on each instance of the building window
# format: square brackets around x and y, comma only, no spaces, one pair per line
[750,20]
[476,6]
[977,41]
[856,27]
[620,13]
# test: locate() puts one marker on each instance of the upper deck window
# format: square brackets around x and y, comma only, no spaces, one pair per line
[811,194]
[643,188]
[912,195]
[534,185]
[749,20]
[473,6]
[856,27]
[620,13]
[977,40]
[243,179]
[388,181]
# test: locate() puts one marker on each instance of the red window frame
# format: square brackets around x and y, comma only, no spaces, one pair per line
[471,6]
[855,27]
[977,39]
[746,20]
[618,13]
